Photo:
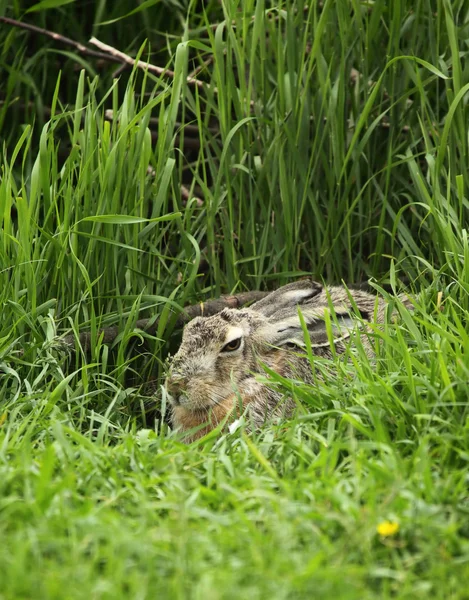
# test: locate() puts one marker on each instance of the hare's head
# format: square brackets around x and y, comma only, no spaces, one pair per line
[215,355]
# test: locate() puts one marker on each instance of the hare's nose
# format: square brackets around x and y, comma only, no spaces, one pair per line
[175,386]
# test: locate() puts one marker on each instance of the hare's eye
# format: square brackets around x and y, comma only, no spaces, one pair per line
[232,346]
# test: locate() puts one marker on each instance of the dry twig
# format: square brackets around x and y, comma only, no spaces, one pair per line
[152,68]
[109,53]
[186,196]
[125,58]
[60,38]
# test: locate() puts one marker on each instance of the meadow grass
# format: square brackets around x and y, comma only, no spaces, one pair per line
[330,140]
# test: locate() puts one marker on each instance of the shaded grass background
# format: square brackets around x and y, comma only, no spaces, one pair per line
[331,140]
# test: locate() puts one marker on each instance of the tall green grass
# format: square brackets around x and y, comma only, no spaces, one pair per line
[330,140]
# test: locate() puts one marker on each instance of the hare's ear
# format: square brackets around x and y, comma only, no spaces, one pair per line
[290,331]
[288,296]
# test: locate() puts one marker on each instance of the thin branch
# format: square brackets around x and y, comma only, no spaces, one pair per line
[152,68]
[61,38]
[125,58]
[186,196]
[150,326]
[109,53]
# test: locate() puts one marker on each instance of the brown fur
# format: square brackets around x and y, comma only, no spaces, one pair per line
[185,419]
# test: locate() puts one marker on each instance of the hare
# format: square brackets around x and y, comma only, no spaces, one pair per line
[214,371]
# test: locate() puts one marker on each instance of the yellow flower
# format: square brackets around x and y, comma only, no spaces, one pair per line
[387,528]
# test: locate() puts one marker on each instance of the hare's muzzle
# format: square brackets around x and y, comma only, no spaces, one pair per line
[175,387]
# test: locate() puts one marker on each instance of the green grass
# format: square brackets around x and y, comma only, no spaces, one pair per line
[303,169]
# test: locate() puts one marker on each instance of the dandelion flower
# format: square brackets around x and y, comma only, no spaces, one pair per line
[387,528]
